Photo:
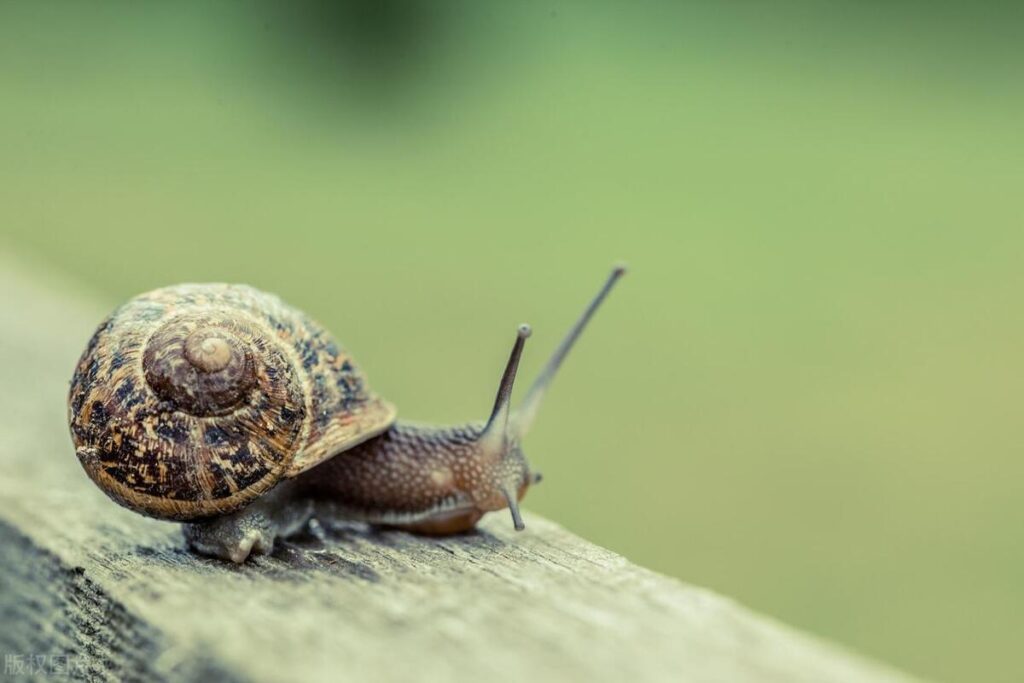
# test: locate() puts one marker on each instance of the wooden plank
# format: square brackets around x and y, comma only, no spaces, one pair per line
[101,593]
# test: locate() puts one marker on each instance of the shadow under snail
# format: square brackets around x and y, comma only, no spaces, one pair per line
[223,407]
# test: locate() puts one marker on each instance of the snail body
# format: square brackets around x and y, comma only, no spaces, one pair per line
[223,407]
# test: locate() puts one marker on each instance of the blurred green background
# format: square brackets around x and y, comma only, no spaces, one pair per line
[807,392]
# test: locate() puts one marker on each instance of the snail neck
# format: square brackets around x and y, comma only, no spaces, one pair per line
[423,478]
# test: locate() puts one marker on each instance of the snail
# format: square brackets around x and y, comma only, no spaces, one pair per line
[222,407]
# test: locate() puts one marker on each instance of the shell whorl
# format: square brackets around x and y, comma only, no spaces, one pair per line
[191,401]
[201,365]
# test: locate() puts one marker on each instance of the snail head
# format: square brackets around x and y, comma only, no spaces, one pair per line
[509,473]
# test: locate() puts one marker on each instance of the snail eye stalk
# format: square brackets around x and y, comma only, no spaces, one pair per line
[496,434]
[496,438]
[527,411]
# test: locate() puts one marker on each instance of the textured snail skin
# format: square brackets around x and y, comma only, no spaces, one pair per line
[428,480]
[421,478]
[253,529]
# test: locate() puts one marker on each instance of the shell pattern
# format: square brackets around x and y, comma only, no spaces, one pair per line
[190,401]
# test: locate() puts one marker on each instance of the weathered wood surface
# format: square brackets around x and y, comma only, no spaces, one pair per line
[121,599]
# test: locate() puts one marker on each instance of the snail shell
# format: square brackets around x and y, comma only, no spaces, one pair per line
[191,401]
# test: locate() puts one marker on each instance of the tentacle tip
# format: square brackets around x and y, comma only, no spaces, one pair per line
[619,269]
[524,331]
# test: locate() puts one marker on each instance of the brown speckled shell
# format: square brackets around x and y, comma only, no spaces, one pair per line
[295,399]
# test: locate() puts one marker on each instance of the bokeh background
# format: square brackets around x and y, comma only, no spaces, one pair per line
[807,392]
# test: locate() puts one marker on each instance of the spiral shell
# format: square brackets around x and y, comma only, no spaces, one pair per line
[191,401]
